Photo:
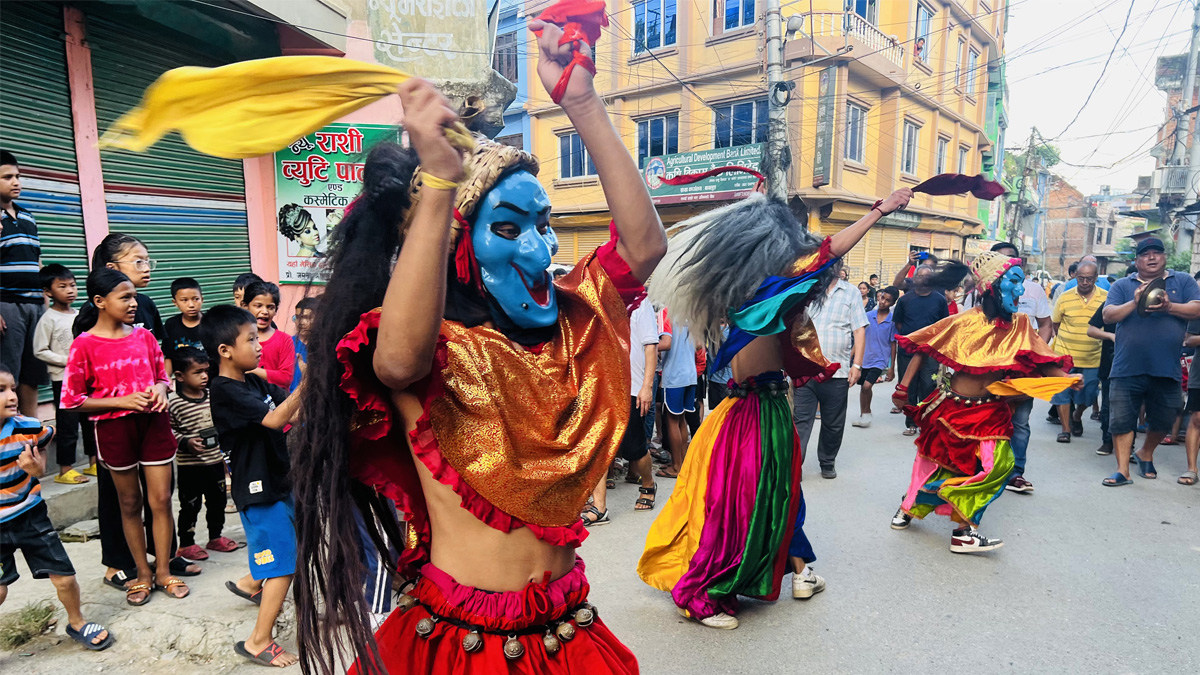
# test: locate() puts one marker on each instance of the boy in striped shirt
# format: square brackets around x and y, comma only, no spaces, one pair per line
[199,460]
[24,523]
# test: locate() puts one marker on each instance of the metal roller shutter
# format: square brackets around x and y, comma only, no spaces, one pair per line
[895,252]
[39,130]
[189,208]
[566,247]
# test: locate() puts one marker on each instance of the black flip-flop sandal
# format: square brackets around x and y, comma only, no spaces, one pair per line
[119,580]
[1064,437]
[256,598]
[179,567]
[648,503]
[266,657]
[85,635]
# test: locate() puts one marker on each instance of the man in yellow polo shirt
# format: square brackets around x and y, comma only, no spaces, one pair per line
[1074,308]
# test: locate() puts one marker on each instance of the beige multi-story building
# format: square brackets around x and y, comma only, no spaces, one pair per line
[886,94]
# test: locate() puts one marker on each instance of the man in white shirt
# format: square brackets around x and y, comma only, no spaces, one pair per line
[841,325]
[1034,303]
[643,349]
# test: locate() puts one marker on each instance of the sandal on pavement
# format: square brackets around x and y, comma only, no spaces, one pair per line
[171,585]
[71,477]
[193,552]
[1116,480]
[662,473]
[1168,440]
[139,587]
[610,484]
[910,431]
[1146,468]
[179,567]
[601,518]
[120,580]
[646,503]
[1076,428]
[1188,478]
[1064,437]
[267,657]
[87,635]
[224,545]
[255,597]
[91,470]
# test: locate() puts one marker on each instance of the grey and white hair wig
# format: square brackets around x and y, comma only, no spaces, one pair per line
[716,261]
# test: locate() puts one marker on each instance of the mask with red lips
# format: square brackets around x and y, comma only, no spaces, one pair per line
[514,245]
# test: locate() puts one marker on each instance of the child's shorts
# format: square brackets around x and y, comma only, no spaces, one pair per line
[270,539]
[32,533]
[139,439]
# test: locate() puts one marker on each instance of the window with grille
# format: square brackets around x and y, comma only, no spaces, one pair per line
[505,61]
[856,131]
[653,25]
[573,159]
[657,136]
[942,150]
[958,57]
[740,124]
[962,160]
[910,148]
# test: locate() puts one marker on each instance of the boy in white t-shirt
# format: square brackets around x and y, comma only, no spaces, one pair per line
[52,340]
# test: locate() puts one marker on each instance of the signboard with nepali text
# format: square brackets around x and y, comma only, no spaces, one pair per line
[316,177]
[722,187]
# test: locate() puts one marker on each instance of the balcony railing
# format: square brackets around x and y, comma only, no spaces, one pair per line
[849,25]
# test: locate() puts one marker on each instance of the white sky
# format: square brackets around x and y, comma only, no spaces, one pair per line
[1127,106]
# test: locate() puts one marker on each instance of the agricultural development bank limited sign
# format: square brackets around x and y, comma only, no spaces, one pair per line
[726,186]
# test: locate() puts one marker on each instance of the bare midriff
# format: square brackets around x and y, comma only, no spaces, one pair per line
[762,355]
[967,384]
[470,551]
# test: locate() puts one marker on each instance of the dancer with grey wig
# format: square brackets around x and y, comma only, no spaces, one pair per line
[735,520]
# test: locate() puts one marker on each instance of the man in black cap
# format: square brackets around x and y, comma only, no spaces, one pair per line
[1145,368]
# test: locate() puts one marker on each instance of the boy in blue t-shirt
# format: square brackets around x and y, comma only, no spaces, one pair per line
[303,319]
[24,523]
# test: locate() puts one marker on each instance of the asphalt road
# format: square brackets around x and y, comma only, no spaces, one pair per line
[1091,580]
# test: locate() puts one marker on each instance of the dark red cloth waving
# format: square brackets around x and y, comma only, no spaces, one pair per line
[956,183]
[581,22]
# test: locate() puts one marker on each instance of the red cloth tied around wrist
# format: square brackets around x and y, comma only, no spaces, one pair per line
[465,265]
[581,22]
[689,178]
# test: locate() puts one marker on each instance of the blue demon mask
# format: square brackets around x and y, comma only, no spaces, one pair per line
[513,244]
[1011,287]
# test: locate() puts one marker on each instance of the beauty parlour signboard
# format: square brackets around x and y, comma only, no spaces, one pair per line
[316,177]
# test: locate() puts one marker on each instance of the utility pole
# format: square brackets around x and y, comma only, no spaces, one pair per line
[778,156]
[1185,127]
[1017,233]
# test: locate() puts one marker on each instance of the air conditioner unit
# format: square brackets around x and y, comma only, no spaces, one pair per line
[1173,179]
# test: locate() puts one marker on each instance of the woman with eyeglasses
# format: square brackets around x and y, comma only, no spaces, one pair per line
[128,255]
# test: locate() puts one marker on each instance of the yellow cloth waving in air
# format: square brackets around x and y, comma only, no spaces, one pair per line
[253,108]
[1037,387]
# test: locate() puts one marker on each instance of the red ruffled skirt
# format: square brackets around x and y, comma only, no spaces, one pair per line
[498,617]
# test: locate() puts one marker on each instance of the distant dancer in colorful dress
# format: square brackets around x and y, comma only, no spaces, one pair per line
[963,454]
[734,522]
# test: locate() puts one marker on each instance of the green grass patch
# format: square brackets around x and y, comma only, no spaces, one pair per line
[25,624]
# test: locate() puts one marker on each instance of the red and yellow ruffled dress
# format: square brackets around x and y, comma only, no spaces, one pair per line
[522,436]
[963,454]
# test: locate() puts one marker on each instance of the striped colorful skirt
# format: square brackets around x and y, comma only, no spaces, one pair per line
[963,457]
[736,507]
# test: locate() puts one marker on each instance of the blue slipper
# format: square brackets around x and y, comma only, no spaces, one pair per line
[88,633]
[1145,468]
[1116,480]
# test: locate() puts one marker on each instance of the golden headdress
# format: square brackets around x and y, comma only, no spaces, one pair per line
[989,266]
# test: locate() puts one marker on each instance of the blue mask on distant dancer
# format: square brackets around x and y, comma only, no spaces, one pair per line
[1011,287]
[514,245]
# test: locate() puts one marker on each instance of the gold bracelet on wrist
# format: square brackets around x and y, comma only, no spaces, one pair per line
[434,183]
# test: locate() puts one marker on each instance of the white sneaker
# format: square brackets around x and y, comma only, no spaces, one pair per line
[806,585]
[862,422]
[901,520]
[720,621]
[968,540]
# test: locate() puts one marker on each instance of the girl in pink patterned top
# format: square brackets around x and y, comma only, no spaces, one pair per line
[115,374]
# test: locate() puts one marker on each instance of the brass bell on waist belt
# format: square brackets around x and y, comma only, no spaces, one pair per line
[472,642]
[565,631]
[425,627]
[405,602]
[584,616]
[513,649]
[552,644]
